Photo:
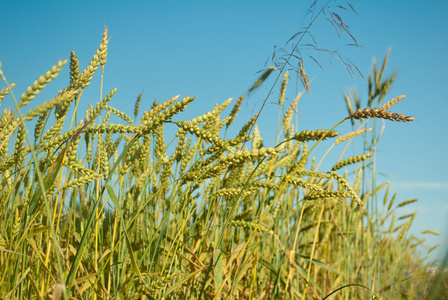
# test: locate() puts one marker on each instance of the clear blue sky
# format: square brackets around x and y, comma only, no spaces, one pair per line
[214,49]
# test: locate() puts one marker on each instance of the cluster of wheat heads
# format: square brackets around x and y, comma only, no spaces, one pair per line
[106,210]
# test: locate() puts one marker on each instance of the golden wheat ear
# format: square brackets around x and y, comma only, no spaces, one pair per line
[378,113]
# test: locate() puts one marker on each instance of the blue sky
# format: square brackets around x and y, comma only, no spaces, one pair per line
[214,49]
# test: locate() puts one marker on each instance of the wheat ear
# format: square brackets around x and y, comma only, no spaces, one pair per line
[314,135]
[6,91]
[288,115]
[137,104]
[40,83]
[351,135]
[391,103]
[229,120]
[283,89]
[378,113]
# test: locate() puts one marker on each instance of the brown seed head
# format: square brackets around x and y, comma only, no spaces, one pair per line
[377,113]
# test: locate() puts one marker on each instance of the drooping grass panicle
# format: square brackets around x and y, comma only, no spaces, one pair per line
[262,78]
[303,77]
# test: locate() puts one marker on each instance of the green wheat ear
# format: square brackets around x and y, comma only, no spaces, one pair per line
[74,70]
[229,120]
[41,83]
[313,135]
[6,90]
[283,85]
[63,97]
[99,58]
[351,160]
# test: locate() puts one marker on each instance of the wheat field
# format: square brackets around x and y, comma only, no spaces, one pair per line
[93,208]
